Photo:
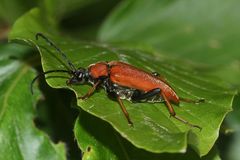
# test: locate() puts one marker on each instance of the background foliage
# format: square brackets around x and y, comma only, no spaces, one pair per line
[196,50]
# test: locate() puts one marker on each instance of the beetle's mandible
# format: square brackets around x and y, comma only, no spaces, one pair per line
[122,81]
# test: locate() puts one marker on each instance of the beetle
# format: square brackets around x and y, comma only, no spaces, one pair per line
[121,81]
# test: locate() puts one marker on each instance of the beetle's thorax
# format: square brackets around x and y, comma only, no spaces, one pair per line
[98,70]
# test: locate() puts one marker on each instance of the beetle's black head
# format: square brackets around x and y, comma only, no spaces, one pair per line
[79,76]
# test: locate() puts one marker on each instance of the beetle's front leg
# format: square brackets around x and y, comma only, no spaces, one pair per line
[91,90]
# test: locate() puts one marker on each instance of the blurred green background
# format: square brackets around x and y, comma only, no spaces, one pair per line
[203,35]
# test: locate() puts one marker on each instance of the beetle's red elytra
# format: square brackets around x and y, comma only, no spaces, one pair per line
[122,81]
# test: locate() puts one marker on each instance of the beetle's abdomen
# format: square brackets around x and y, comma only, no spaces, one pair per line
[128,76]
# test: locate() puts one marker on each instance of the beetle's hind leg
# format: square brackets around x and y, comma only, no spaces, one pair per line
[139,96]
[201,100]
[173,113]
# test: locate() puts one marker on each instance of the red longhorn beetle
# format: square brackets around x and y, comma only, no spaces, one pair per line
[122,81]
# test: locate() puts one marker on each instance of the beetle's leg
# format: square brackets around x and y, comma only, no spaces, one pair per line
[124,110]
[138,96]
[156,74]
[91,90]
[173,113]
[192,100]
[112,94]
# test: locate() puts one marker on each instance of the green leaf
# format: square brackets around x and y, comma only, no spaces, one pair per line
[10,10]
[164,134]
[14,51]
[56,117]
[203,31]
[233,121]
[181,28]
[59,9]
[98,141]
[76,17]
[19,138]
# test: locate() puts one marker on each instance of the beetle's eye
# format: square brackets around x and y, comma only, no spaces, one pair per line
[81,78]
[72,81]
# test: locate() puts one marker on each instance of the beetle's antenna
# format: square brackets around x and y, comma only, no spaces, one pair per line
[44,73]
[51,43]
